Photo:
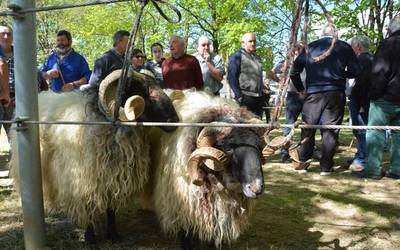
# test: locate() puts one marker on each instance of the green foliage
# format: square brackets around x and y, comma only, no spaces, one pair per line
[223,21]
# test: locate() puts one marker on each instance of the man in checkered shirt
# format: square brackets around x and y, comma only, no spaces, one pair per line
[7,109]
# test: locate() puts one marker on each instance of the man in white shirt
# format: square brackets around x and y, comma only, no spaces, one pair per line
[212,66]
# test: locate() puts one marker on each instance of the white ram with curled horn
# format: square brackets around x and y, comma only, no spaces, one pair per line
[204,179]
[91,171]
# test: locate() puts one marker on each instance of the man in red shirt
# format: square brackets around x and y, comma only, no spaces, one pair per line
[181,71]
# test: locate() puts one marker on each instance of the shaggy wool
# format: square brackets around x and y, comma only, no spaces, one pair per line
[212,215]
[87,169]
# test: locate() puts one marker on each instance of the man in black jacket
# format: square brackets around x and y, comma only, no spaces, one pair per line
[111,60]
[359,98]
[324,94]
[385,105]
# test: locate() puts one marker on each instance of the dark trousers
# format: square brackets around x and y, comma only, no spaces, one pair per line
[254,104]
[7,113]
[266,109]
[326,108]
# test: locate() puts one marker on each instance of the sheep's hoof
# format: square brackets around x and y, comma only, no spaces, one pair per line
[186,240]
[113,237]
[90,238]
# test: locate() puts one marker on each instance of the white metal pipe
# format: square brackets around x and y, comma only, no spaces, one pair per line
[28,139]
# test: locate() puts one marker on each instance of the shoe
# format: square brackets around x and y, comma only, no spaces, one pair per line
[325,173]
[356,167]
[302,171]
[390,175]
[301,165]
[361,174]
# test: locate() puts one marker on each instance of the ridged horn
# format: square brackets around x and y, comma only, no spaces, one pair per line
[212,158]
[209,135]
[107,90]
[134,107]
[206,138]
[176,95]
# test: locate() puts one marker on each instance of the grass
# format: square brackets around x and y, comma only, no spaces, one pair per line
[298,211]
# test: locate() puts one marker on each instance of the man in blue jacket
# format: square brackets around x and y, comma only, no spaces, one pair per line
[66,69]
[324,94]
[385,105]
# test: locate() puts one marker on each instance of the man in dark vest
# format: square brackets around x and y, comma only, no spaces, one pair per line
[245,75]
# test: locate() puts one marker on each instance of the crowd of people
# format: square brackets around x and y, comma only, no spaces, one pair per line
[316,89]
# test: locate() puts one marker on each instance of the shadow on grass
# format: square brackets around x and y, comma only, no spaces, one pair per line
[282,219]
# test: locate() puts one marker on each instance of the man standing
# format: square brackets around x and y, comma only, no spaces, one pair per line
[359,98]
[212,66]
[385,105]
[4,89]
[245,75]
[181,71]
[111,60]
[325,98]
[66,69]
[7,111]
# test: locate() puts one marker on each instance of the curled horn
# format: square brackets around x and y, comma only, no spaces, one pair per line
[133,107]
[176,95]
[206,154]
[213,158]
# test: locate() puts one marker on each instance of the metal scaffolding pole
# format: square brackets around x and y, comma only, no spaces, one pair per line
[28,134]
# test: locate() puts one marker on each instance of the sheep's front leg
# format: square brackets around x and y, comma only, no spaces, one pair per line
[111,227]
[186,240]
[90,238]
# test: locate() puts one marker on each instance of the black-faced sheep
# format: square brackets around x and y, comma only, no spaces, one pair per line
[205,178]
[91,171]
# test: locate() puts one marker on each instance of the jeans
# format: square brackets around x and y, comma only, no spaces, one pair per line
[382,113]
[294,104]
[358,119]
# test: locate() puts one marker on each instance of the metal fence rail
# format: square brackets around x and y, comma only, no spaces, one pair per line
[21,121]
[16,10]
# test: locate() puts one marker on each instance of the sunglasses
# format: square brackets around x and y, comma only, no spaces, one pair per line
[138,57]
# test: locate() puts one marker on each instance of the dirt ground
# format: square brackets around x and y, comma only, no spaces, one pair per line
[298,211]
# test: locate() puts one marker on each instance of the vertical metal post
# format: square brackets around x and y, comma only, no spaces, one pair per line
[28,139]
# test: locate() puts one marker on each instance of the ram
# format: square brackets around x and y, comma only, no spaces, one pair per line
[91,171]
[204,179]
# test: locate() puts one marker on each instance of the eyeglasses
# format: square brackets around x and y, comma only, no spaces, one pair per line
[139,57]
